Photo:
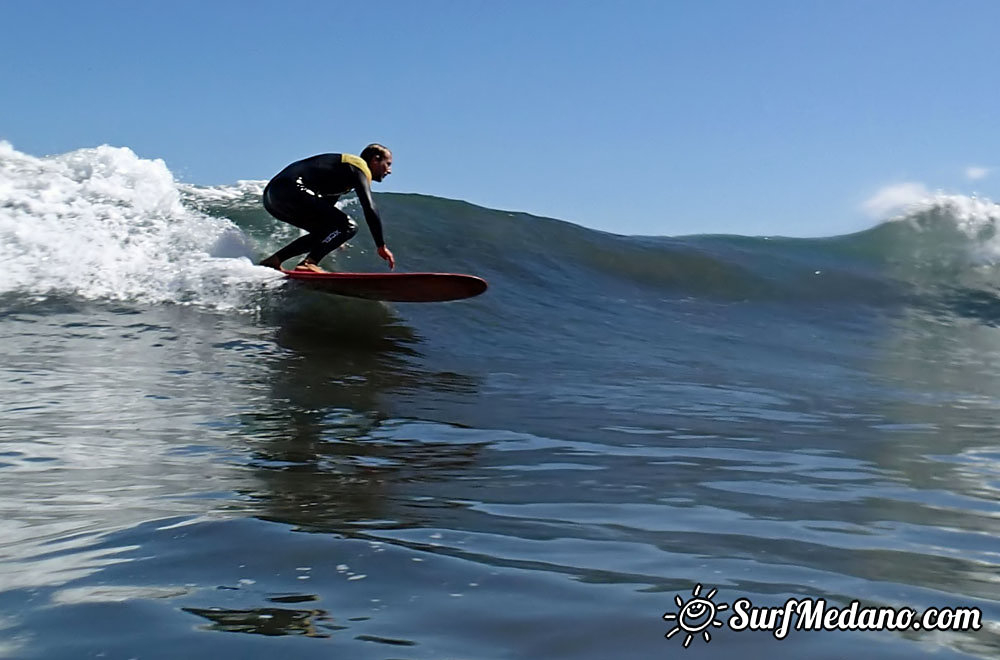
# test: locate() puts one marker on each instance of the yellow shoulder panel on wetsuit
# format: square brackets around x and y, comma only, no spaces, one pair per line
[358,163]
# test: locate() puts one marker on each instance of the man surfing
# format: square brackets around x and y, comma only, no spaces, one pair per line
[305,194]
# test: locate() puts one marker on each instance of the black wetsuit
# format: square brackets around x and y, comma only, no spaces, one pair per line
[305,194]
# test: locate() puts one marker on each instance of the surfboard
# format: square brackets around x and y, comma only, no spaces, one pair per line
[393,287]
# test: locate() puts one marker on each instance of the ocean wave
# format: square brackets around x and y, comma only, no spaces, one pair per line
[103,223]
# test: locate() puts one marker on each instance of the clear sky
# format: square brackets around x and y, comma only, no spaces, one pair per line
[662,117]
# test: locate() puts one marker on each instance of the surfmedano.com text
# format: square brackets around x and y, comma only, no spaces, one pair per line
[816,614]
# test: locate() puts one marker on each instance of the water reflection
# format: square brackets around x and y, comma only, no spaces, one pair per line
[270,621]
[326,443]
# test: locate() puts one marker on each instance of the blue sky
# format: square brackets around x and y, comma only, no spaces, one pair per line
[793,117]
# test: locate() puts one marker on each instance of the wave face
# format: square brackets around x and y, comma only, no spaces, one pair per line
[103,223]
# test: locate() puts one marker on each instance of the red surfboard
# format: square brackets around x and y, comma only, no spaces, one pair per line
[393,287]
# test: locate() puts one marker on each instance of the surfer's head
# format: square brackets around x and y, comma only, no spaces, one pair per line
[379,161]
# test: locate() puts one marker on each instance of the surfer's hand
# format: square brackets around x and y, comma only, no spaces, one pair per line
[386,254]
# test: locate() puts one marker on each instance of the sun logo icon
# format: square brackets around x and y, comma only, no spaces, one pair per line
[695,616]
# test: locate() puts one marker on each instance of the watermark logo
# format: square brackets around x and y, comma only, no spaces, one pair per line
[695,616]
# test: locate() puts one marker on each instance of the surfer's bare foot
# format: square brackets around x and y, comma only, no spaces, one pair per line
[309,266]
[271,262]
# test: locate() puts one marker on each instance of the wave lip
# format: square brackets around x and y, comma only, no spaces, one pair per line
[102,223]
[943,241]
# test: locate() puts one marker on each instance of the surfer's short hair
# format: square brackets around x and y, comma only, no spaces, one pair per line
[375,151]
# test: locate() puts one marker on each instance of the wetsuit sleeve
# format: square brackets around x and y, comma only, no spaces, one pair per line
[364,192]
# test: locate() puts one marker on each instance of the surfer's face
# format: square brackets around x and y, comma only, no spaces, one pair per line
[381,168]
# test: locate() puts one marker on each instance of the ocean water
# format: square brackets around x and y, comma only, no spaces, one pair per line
[198,459]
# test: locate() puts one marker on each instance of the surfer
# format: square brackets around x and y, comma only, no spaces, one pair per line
[305,193]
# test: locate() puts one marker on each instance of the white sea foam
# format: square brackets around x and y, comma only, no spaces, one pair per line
[241,190]
[949,240]
[974,221]
[238,194]
[974,218]
[970,215]
[103,223]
